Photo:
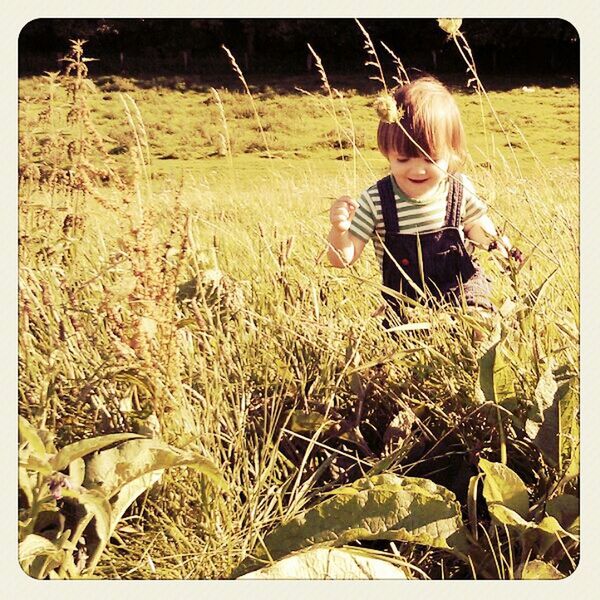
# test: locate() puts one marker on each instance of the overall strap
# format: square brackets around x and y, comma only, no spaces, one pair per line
[454,202]
[388,204]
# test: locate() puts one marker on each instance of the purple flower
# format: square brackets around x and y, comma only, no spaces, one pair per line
[56,483]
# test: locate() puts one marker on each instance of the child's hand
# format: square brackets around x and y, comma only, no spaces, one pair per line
[341,213]
[517,255]
[507,250]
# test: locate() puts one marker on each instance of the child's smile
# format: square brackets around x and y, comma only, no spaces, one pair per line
[416,176]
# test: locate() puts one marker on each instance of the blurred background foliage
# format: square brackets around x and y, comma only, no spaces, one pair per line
[193,46]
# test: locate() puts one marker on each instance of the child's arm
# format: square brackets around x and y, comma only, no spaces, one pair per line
[344,248]
[480,228]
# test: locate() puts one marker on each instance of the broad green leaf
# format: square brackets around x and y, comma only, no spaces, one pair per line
[569,428]
[418,485]
[37,463]
[553,527]
[504,381]
[77,472]
[35,545]
[96,504]
[506,516]
[28,433]
[496,376]
[129,492]
[394,457]
[109,470]
[381,507]
[84,447]
[503,486]
[307,422]
[538,569]
[328,563]
[548,533]
[543,419]
[52,523]
[540,535]
[565,509]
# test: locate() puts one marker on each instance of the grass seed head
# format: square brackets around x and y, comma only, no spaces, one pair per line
[387,110]
[450,26]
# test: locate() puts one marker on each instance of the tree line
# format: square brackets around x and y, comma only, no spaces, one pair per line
[501,46]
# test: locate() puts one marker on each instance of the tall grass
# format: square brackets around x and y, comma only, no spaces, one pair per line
[201,308]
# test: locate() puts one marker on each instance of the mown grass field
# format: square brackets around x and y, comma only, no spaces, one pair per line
[173,284]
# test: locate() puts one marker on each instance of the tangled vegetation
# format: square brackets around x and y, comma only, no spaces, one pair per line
[201,396]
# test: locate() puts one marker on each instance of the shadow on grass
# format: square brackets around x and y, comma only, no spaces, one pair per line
[276,84]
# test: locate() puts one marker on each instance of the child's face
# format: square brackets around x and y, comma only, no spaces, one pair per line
[416,176]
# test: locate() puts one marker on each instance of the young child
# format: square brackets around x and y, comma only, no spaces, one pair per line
[422,214]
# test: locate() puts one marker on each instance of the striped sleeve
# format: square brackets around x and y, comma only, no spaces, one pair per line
[473,207]
[363,222]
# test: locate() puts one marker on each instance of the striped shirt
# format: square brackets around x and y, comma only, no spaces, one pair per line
[414,216]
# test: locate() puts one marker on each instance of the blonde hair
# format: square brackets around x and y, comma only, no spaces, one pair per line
[431,117]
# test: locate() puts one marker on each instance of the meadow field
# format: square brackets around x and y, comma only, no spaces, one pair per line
[202,396]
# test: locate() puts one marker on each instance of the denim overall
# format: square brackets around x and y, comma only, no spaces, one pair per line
[436,261]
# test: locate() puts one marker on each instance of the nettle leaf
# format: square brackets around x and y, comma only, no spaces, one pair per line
[328,563]
[82,448]
[538,569]
[503,486]
[109,470]
[380,507]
